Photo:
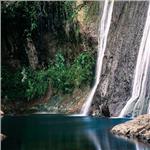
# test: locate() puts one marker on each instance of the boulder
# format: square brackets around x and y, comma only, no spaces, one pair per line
[102,111]
[138,128]
[1,113]
[2,136]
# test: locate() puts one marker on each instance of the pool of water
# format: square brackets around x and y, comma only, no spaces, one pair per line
[59,132]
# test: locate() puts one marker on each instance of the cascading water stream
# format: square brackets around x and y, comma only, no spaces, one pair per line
[148,111]
[103,31]
[135,106]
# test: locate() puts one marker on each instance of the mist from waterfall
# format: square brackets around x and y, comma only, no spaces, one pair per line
[102,40]
[139,103]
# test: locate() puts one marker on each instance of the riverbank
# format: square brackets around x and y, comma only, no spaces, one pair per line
[64,104]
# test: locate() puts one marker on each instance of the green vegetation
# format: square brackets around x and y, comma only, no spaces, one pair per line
[30,17]
[27,84]
[65,57]
[65,77]
[25,13]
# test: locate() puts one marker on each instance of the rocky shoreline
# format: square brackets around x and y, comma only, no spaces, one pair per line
[138,128]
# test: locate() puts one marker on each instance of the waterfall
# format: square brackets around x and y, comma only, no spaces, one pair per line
[102,40]
[148,111]
[139,103]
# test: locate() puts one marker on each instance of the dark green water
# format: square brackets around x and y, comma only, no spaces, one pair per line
[58,132]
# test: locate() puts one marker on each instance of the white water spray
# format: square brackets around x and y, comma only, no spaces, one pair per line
[135,105]
[103,29]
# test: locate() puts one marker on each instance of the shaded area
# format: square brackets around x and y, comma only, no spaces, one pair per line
[45,51]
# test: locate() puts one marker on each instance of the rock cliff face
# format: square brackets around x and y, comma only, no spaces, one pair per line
[125,33]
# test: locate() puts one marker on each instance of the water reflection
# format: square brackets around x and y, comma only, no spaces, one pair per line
[53,132]
[103,140]
[92,136]
[141,147]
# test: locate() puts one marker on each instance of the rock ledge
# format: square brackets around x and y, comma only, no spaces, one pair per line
[138,128]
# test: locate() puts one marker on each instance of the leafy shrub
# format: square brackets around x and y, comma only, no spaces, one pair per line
[23,84]
[12,88]
[36,82]
[27,84]
[66,77]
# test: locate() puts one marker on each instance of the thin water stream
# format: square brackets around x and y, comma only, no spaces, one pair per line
[102,41]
